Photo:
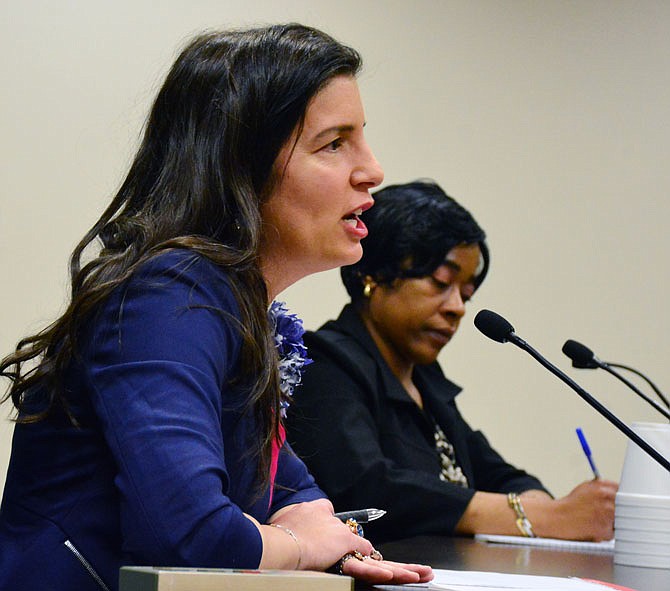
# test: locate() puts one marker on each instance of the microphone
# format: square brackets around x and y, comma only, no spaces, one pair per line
[494,326]
[582,357]
[498,329]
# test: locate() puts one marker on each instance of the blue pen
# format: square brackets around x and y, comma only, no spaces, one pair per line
[587,452]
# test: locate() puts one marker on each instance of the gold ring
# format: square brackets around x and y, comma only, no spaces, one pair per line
[355,527]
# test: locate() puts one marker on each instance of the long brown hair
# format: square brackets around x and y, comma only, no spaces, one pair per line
[229,103]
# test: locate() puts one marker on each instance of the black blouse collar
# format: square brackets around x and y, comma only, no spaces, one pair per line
[350,322]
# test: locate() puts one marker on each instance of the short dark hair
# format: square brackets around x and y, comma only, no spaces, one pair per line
[412,227]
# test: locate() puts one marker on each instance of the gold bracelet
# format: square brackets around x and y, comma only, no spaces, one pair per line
[522,521]
[295,539]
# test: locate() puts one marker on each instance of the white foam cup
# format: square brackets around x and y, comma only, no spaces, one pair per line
[640,536]
[640,524]
[642,474]
[642,507]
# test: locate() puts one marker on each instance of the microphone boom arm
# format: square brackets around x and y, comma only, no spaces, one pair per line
[608,364]
[519,342]
[618,376]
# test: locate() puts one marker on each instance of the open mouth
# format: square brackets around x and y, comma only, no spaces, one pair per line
[352,218]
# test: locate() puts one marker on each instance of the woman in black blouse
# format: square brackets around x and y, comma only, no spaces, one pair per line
[376,420]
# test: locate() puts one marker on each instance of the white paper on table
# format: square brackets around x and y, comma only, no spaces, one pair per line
[572,545]
[457,580]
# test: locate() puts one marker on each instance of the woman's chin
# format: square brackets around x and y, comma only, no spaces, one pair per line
[350,256]
[427,356]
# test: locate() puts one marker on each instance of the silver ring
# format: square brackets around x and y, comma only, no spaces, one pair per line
[340,564]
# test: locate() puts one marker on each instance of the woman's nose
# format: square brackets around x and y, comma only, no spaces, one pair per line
[453,302]
[369,172]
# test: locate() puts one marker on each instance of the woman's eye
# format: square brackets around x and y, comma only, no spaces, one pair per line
[334,145]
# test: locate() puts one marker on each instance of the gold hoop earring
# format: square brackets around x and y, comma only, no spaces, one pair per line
[367,289]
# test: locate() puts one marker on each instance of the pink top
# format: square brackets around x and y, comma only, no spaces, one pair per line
[274,460]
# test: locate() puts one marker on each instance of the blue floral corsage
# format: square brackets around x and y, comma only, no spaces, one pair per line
[288,331]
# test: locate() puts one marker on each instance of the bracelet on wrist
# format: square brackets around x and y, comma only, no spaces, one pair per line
[522,522]
[295,539]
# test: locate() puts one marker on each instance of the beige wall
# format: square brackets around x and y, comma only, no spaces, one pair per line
[549,120]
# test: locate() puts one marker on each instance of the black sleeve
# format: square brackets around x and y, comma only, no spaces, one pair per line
[492,472]
[485,468]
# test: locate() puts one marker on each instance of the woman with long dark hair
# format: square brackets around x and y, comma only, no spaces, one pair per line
[149,415]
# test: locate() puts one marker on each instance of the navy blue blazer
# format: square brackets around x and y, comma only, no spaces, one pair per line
[158,470]
[369,445]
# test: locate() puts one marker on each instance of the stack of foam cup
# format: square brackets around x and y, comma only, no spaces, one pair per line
[642,509]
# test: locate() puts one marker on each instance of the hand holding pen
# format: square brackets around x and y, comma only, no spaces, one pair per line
[353,520]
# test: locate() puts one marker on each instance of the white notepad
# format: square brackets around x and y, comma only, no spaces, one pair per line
[572,545]
[452,580]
